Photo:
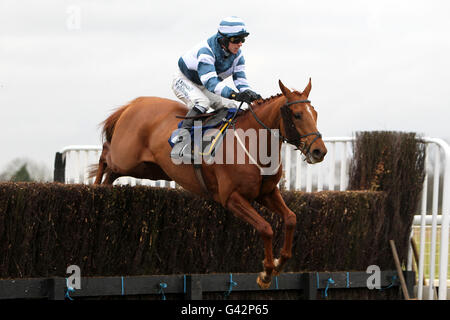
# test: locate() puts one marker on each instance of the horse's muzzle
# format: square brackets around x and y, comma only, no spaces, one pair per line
[316,155]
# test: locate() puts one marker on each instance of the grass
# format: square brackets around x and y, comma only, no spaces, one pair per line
[416,235]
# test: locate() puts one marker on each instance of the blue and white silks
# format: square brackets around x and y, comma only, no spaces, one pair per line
[208,64]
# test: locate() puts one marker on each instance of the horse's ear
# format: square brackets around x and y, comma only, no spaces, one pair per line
[286,92]
[307,89]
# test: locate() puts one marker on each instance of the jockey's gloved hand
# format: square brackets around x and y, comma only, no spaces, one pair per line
[247,96]
[254,96]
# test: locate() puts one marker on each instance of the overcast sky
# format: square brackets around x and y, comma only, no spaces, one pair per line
[66,64]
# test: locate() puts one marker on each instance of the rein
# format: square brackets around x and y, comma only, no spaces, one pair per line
[293,136]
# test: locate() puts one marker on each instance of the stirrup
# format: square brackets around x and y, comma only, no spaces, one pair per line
[179,135]
[177,139]
[182,150]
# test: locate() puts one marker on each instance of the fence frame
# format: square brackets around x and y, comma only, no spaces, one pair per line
[193,286]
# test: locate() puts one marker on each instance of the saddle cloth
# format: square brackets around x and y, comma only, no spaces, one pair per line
[219,119]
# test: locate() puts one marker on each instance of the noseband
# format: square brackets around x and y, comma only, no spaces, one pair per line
[292,135]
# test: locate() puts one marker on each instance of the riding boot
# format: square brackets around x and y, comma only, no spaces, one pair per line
[188,123]
[180,149]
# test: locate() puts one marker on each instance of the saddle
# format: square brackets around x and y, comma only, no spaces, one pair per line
[219,119]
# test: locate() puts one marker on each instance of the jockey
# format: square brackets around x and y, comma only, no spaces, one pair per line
[199,80]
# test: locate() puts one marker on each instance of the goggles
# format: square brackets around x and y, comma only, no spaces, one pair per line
[237,40]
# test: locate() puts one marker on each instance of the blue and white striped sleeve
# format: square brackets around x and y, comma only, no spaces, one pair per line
[208,75]
[239,78]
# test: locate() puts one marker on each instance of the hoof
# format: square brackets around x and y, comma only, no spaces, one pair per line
[277,270]
[263,284]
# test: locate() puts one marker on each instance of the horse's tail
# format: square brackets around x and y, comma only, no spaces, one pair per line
[94,170]
[110,123]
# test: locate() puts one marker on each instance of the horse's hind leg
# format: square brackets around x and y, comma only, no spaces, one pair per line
[242,209]
[275,202]
[100,171]
[103,168]
[110,177]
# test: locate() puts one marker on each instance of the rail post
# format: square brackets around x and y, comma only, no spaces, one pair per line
[59,172]
[193,287]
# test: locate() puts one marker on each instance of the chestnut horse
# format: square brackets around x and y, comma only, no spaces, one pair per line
[137,145]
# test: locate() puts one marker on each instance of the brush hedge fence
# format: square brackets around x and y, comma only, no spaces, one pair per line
[142,230]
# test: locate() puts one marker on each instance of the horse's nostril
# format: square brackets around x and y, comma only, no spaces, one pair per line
[317,154]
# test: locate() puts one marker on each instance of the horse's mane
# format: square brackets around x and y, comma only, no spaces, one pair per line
[261,102]
[266,100]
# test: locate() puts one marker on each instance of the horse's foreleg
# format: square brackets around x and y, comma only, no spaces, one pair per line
[275,202]
[242,209]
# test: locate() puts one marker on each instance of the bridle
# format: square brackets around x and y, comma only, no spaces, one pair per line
[293,136]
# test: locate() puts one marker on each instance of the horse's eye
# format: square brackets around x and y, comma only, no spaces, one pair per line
[297,115]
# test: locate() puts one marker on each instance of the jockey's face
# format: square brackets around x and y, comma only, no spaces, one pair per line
[234,47]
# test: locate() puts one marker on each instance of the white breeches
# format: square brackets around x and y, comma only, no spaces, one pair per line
[195,95]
